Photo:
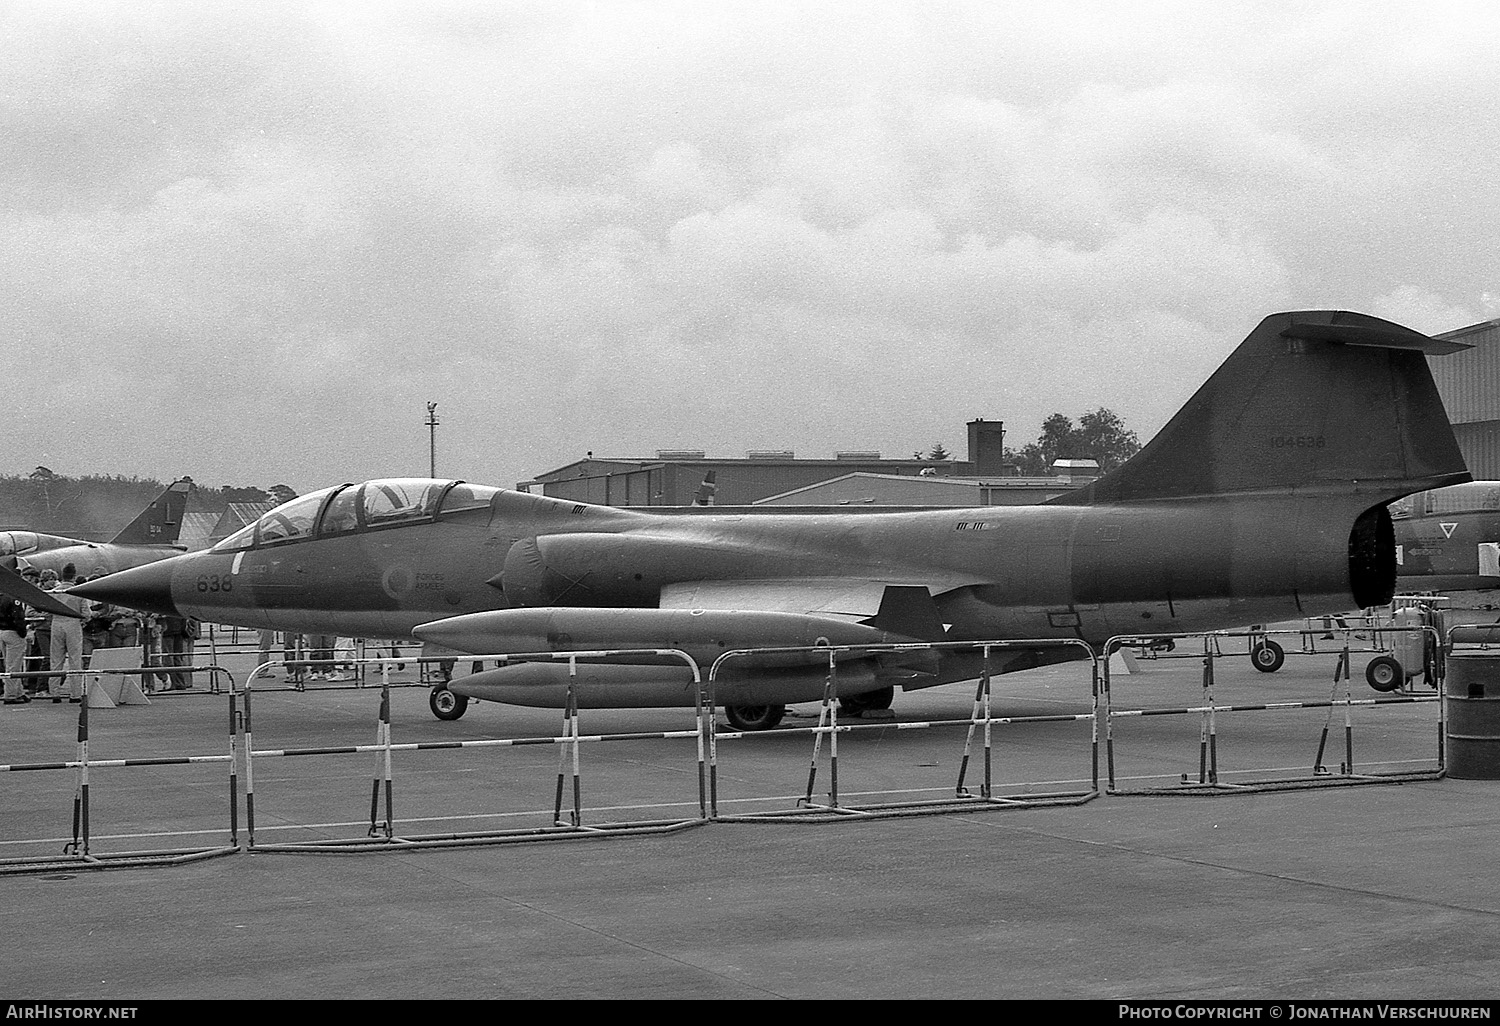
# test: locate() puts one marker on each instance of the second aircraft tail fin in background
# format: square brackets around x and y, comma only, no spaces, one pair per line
[161,521]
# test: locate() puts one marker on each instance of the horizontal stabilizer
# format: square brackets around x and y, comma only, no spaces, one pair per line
[1381,335]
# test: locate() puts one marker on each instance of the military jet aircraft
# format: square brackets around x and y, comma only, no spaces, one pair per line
[152,535]
[1449,539]
[1264,498]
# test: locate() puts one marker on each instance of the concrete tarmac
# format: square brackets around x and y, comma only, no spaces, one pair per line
[1387,891]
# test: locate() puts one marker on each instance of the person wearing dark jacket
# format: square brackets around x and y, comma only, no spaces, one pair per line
[13,647]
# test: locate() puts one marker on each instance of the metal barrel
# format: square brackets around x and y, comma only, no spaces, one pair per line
[1473,715]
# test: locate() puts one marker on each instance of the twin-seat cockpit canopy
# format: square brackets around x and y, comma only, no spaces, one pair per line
[351,508]
[1472,497]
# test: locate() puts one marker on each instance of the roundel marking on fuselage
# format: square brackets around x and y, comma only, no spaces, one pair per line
[397,581]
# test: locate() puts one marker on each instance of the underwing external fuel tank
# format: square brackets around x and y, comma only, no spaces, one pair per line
[1264,498]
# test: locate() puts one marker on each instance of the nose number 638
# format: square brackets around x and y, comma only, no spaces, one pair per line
[215,582]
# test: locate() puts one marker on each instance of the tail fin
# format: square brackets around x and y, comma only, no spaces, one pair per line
[1310,400]
[160,522]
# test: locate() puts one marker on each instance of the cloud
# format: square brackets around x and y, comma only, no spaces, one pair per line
[252,245]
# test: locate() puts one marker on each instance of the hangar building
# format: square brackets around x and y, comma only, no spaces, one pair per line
[1469,383]
[680,477]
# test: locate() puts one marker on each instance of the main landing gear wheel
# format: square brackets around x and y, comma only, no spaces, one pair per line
[754,717]
[445,705]
[870,701]
[1385,674]
[1267,656]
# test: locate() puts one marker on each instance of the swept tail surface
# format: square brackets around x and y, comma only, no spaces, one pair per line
[1311,400]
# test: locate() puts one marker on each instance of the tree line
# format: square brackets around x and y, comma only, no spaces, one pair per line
[97,507]
[1100,436]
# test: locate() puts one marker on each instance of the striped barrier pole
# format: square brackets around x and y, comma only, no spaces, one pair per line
[571,735]
[234,791]
[1348,716]
[1213,725]
[833,736]
[1339,671]
[382,766]
[249,739]
[81,792]
[989,727]
[702,753]
[577,747]
[1109,716]
[713,746]
[1094,728]
[1442,724]
[812,770]
[1203,717]
[385,702]
[980,713]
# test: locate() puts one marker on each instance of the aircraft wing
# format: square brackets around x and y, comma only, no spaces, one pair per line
[842,597]
[899,606]
[17,587]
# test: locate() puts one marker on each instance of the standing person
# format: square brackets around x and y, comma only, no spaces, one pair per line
[178,634]
[39,624]
[293,647]
[320,652]
[13,646]
[67,641]
[343,651]
[267,642]
[96,627]
[148,635]
[124,628]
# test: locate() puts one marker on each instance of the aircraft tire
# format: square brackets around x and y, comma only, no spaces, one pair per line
[754,717]
[853,705]
[1267,656]
[1385,673]
[445,705]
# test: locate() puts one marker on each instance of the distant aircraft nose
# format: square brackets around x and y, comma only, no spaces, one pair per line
[148,588]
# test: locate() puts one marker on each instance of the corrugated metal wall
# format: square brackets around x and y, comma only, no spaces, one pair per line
[1480,444]
[1469,382]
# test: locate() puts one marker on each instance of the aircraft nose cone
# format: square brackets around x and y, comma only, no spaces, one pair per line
[147,588]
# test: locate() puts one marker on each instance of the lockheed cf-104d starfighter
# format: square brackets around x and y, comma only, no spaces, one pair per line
[1264,498]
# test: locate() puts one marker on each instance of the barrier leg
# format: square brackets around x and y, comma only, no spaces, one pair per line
[702,746]
[380,740]
[980,713]
[1213,726]
[823,719]
[1348,721]
[248,739]
[570,731]
[1339,672]
[712,726]
[1109,724]
[833,733]
[83,769]
[234,792]
[390,818]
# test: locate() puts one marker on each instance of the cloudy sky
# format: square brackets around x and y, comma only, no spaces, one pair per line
[249,242]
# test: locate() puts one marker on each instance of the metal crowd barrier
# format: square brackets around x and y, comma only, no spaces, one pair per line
[382,834]
[1209,778]
[569,822]
[963,799]
[80,853]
